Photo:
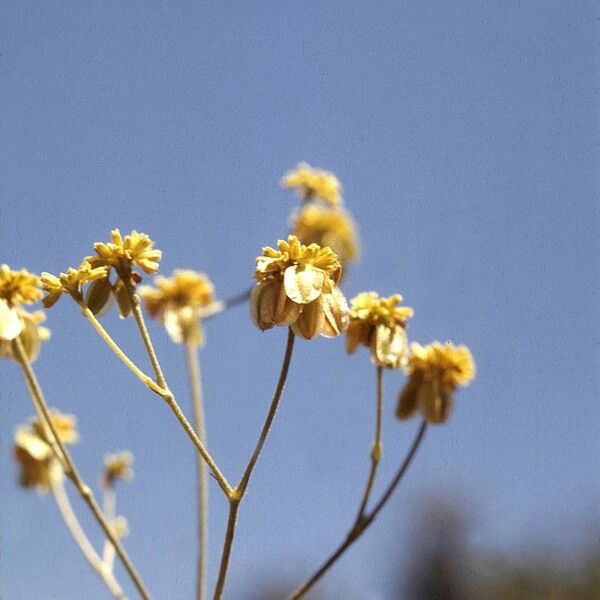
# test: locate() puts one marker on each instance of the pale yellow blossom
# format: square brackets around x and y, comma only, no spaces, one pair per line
[180,303]
[434,372]
[379,324]
[297,287]
[118,466]
[327,227]
[314,184]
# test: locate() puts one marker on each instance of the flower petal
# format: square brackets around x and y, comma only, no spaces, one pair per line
[303,285]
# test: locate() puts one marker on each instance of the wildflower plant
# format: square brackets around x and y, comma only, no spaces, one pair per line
[298,285]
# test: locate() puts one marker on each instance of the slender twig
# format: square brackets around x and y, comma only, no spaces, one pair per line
[227,545]
[109,505]
[193,362]
[376,449]
[70,469]
[240,490]
[72,523]
[361,525]
[139,318]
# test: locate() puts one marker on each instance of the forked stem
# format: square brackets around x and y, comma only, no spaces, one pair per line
[70,469]
[240,490]
[361,524]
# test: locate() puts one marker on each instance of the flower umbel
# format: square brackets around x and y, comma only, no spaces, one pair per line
[434,372]
[16,288]
[70,282]
[297,286]
[379,324]
[180,303]
[327,227]
[314,184]
[32,335]
[117,466]
[39,467]
[135,249]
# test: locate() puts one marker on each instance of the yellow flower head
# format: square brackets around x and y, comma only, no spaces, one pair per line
[70,282]
[32,335]
[39,466]
[314,184]
[327,227]
[118,466]
[16,288]
[379,324]
[434,372]
[297,286]
[123,253]
[180,302]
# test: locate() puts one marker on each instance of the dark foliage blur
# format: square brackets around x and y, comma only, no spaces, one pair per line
[445,566]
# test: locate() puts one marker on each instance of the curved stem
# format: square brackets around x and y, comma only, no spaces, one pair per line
[196,393]
[240,490]
[71,471]
[227,545]
[376,450]
[72,523]
[362,523]
[109,505]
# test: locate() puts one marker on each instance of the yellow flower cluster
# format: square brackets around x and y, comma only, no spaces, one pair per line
[379,324]
[16,288]
[117,466]
[314,184]
[327,227]
[434,372]
[122,254]
[297,287]
[33,452]
[180,302]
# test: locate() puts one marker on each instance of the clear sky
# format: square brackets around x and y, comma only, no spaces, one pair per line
[465,135]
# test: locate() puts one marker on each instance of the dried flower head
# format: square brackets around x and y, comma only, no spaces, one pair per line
[117,466]
[434,372]
[39,466]
[327,227]
[120,527]
[297,286]
[16,288]
[71,282]
[135,249]
[32,335]
[379,324]
[314,184]
[180,302]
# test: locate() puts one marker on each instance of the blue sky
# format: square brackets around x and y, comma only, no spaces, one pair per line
[465,135]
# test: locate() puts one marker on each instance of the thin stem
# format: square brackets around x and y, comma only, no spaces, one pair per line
[70,469]
[193,362]
[147,381]
[109,505]
[271,414]
[221,480]
[361,524]
[227,544]
[72,523]
[376,450]
[139,319]
[240,490]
